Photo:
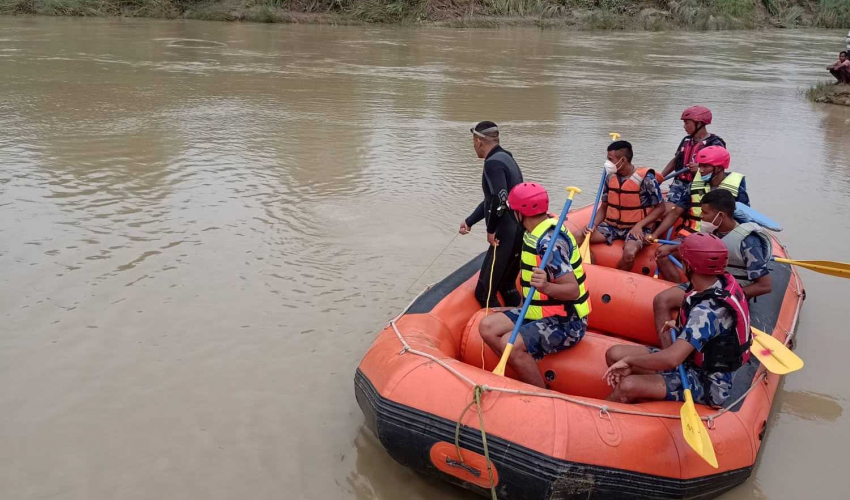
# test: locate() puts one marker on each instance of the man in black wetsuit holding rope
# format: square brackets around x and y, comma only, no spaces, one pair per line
[501,174]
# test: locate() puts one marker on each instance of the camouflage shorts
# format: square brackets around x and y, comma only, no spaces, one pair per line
[679,192]
[549,335]
[709,389]
[613,233]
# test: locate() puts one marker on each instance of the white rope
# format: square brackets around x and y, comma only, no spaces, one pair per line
[603,409]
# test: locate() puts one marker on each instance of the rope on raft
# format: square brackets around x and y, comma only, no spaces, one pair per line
[604,410]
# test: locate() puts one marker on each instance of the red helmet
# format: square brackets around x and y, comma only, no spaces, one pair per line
[704,253]
[697,114]
[529,199]
[716,156]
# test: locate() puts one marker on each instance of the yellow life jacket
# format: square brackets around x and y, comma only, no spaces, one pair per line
[699,188]
[541,305]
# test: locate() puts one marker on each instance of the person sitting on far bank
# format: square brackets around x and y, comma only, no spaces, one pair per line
[557,317]
[841,69]
[501,173]
[713,341]
[694,119]
[749,247]
[631,201]
[713,165]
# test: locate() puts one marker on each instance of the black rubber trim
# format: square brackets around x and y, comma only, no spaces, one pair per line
[764,310]
[408,435]
[438,292]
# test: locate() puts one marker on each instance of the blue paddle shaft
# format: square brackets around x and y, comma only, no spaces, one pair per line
[546,256]
[682,373]
[669,242]
[674,260]
[598,197]
[677,172]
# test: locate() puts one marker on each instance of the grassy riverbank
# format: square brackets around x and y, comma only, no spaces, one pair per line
[828,92]
[580,14]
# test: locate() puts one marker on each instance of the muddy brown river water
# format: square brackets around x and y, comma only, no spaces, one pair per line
[204,225]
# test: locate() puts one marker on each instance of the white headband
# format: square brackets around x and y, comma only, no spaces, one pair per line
[483,133]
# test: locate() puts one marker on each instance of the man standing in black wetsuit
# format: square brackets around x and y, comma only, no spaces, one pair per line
[501,174]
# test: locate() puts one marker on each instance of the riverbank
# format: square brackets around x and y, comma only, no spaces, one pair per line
[574,14]
[829,93]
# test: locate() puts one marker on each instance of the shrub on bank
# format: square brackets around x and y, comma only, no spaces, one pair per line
[585,14]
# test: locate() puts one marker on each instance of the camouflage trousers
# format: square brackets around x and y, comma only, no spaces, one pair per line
[707,388]
[551,334]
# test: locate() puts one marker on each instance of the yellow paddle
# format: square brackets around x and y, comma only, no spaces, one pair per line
[500,368]
[773,354]
[829,267]
[696,435]
[584,249]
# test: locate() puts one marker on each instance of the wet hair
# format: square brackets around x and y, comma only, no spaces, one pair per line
[484,128]
[720,200]
[622,145]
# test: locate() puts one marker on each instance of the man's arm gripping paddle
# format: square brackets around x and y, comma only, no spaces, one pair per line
[500,368]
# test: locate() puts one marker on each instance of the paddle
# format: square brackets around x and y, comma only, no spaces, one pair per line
[829,267]
[500,368]
[674,174]
[757,217]
[773,354]
[584,249]
[667,242]
[669,232]
[693,429]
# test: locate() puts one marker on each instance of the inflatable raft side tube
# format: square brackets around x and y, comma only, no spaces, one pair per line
[523,473]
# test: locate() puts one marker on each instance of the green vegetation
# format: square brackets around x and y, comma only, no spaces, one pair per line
[581,14]
[828,92]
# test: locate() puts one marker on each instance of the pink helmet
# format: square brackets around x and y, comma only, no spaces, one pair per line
[716,156]
[697,114]
[529,199]
[704,253]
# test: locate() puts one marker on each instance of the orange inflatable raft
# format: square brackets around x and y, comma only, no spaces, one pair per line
[420,374]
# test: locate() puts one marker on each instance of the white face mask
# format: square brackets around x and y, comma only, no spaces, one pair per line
[709,227]
[609,167]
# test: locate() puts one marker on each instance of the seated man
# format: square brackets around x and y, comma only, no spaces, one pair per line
[631,201]
[713,165]
[695,120]
[556,318]
[749,249]
[841,69]
[713,337]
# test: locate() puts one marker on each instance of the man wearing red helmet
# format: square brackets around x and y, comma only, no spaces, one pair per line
[749,247]
[713,164]
[713,336]
[556,318]
[695,120]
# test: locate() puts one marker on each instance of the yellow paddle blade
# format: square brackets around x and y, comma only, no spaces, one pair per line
[503,363]
[695,432]
[773,354]
[829,267]
[584,249]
